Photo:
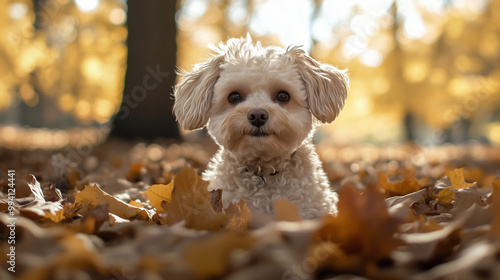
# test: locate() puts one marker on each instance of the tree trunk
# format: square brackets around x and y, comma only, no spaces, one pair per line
[146,109]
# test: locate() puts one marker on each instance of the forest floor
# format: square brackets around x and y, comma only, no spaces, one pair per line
[126,210]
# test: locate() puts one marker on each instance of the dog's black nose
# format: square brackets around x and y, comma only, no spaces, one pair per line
[257,117]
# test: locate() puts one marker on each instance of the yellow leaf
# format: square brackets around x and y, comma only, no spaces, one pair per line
[192,203]
[68,212]
[286,211]
[158,193]
[446,196]
[363,225]
[92,196]
[457,179]
[408,185]
[240,218]
[209,258]
[136,204]
[55,217]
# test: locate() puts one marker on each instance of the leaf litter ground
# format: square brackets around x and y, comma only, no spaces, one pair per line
[137,211]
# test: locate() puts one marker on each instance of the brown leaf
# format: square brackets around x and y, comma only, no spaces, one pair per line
[240,217]
[209,258]
[408,185]
[136,170]
[457,179]
[51,193]
[93,219]
[494,199]
[68,212]
[159,193]
[92,196]
[436,244]
[363,225]
[35,206]
[191,202]
[286,211]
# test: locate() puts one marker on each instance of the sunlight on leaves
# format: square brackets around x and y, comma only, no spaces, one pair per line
[457,179]
[159,193]
[191,202]
[93,195]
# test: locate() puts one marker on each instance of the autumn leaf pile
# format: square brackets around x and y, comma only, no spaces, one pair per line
[138,211]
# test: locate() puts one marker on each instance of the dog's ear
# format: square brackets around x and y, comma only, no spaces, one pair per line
[193,94]
[325,85]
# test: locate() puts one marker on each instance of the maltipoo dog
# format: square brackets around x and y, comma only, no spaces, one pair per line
[261,106]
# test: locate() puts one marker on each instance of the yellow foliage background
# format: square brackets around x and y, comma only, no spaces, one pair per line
[432,66]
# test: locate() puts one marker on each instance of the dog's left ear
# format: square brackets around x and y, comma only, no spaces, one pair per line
[325,85]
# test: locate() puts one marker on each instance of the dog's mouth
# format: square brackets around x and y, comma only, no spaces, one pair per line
[260,133]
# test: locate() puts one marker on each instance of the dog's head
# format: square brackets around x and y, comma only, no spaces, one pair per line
[259,100]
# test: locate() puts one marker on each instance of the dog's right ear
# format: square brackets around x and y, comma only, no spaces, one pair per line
[193,94]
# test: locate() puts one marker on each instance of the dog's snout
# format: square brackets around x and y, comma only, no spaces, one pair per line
[257,117]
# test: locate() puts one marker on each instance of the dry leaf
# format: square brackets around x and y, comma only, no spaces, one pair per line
[136,204]
[35,188]
[408,185]
[446,196]
[69,211]
[210,258]
[494,199]
[191,202]
[286,211]
[92,196]
[363,225]
[135,172]
[240,217]
[158,193]
[429,246]
[35,206]
[457,179]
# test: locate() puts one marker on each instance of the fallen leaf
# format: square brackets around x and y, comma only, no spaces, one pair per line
[430,246]
[363,225]
[408,185]
[93,219]
[286,211]
[35,188]
[446,196]
[51,193]
[240,217]
[335,258]
[494,199]
[92,196]
[474,174]
[191,202]
[457,179]
[135,172]
[69,211]
[136,204]
[158,193]
[35,206]
[114,219]
[209,258]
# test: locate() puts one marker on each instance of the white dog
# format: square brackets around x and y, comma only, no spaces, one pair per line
[261,105]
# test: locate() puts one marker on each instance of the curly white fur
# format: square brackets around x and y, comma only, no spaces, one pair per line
[275,160]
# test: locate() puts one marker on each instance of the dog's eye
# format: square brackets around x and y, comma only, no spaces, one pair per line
[234,97]
[283,97]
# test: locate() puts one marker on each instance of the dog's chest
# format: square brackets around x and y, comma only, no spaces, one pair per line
[263,186]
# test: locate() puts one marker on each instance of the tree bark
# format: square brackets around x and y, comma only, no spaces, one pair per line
[146,109]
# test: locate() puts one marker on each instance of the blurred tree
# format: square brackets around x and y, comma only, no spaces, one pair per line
[146,109]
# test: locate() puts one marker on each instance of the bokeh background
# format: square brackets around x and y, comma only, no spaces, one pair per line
[425,71]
